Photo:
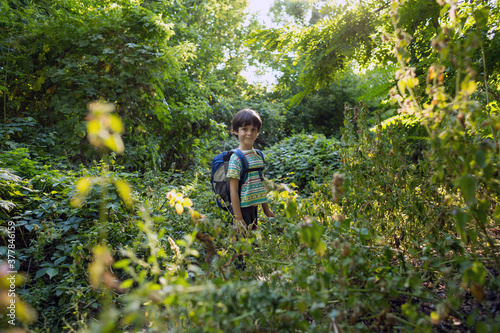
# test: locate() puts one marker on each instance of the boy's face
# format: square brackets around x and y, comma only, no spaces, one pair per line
[247,135]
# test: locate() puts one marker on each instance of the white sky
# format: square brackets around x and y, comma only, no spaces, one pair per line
[261,6]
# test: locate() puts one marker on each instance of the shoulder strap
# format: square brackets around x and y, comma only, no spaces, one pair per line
[261,155]
[242,158]
[263,162]
[244,167]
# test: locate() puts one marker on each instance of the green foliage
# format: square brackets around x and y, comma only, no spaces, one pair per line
[10,191]
[301,12]
[325,48]
[103,51]
[405,239]
[302,158]
[375,84]
[165,65]
[322,111]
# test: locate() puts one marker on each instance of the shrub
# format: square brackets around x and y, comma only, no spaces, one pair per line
[302,158]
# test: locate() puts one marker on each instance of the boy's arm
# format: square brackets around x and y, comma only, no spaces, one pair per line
[267,210]
[234,186]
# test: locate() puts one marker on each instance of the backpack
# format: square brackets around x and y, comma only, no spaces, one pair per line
[220,183]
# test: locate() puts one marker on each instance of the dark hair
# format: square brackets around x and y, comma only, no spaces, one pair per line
[246,117]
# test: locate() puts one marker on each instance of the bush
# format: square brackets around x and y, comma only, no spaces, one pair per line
[302,158]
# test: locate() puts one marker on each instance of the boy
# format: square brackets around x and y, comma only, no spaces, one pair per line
[246,127]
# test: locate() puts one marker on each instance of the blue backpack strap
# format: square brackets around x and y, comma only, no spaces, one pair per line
[243,160]
[244,168]
[263,162]
[261,156]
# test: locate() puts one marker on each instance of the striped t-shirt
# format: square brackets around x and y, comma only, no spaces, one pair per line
[252,191]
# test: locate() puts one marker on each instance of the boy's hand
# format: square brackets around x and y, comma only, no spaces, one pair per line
[269,213]
[240,226]
[267,210]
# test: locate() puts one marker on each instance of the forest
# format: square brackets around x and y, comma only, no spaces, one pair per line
[380,134]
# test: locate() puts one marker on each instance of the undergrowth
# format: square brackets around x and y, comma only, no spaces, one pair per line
[403,237]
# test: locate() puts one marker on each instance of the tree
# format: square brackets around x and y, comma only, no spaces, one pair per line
[164,64]
[116,51]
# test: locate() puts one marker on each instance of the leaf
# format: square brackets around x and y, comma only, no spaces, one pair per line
[291,209]
[320,248]
[444,10]
[409,311]
[38,83]
[467,185]
[25,312]
[115,124]
[59,260]
[187,202]
[475,273]
[41,272]
[8,174]
[127,284]
[435,318]
[83,186]
[7,205]
[121,263]
[468,86]
[481,158]
[481,16]
[93,127]
[179,208]
[302,306]
[51,272]
[496,213]
[364,233]
[402,87]
[125,192]
[481,327]
[115,143]
[461,219]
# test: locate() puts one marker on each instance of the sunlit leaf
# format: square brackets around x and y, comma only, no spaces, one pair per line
[179,208]
[115,123]
[435,318]
[127,284]
[115,143]
[187,202]
[83,186]
[24,312]
[320,248]
[468,86]
[125,192]
[93,127]
[402,87]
